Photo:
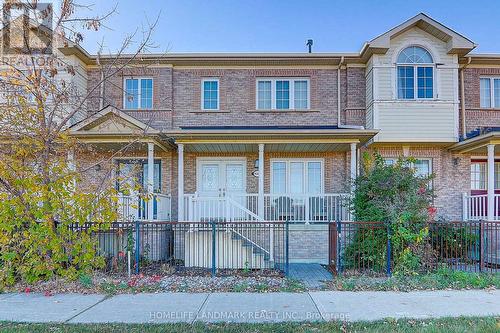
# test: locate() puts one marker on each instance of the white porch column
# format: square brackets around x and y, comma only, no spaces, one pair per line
[260,203]
[72,166]
[354,165]
[491,182]
[151,172]
[180,182]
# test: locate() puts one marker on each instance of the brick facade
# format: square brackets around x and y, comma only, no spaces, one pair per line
[475,116]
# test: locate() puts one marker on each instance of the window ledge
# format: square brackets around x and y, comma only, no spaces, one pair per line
[283,111]
[489,109]
[209,111]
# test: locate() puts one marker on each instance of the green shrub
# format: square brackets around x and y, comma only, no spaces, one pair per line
[397,196]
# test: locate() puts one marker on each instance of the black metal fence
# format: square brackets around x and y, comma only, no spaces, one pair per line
[469,246]
[211,246]
[366,248]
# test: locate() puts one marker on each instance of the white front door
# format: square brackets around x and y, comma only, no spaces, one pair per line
[218,179]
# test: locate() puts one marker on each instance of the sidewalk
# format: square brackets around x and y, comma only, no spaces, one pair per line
[247,307]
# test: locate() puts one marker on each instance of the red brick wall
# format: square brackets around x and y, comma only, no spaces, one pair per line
[452,176]
[181,89]
[474,115]
[160,116]
[237,98]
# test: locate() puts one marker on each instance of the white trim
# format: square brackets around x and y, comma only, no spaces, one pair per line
[291,96]
[492,91]
[139,92]
[209,79]
[287,175]
[111,109]
[434,54]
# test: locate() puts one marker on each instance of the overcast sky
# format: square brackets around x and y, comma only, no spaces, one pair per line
[285,25]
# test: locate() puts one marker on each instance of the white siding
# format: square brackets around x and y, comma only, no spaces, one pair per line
[422,120]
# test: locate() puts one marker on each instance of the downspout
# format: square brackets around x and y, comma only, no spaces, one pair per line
[339,123]
[462,97]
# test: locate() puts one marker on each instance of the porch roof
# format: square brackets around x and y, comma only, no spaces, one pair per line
[478,143]
[228,139]
[112,128]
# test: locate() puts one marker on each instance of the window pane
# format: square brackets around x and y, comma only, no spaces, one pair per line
[389,161]
[485,92]
[131,94]
[405,82]
[210,95]
[146,93]
[478,176]
[415,55]
[264,95]
[296,177]
[282,94]
[422,168]
[497,174]
[496,92]
[300,95]
[279,177]
[424,82]
[314,180]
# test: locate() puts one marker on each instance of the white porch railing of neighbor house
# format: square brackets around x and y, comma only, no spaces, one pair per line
[475,207]
[134,208]
[305,208]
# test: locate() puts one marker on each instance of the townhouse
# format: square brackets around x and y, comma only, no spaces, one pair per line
[265,137]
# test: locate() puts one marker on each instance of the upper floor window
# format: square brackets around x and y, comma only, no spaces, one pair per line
[138,93]
[490,92]
[415,73]
[282,94]
[210,94]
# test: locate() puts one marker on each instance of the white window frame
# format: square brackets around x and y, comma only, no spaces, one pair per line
[393,160]
[415,82]
[492,92]
[139,92]
[291,85]
[287,175]
[202,89]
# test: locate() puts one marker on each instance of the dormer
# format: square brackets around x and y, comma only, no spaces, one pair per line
[412,81]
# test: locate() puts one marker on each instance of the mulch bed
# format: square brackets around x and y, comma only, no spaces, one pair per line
[154,280]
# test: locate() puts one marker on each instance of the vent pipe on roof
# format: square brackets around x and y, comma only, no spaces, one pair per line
[309,44]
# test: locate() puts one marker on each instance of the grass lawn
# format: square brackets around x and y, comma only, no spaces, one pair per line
[441,279]
[452,325]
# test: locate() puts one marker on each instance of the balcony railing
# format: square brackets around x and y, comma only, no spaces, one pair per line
[136,208]
[306,208]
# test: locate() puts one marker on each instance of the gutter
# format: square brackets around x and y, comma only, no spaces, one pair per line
[462,97]
[338,92]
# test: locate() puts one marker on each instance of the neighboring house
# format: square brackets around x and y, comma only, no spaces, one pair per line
[278,136]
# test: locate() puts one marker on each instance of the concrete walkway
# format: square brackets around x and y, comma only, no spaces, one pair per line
[312,275]
[246,307]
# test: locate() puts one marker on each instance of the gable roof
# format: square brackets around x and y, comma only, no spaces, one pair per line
[111,121]
[456,43]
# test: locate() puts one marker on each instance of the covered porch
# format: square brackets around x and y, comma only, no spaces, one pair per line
[117,148]
[482,202]
[294,174]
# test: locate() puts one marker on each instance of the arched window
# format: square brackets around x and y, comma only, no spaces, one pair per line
[415,70]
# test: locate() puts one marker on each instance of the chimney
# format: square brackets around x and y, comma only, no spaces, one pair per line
[309,44]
